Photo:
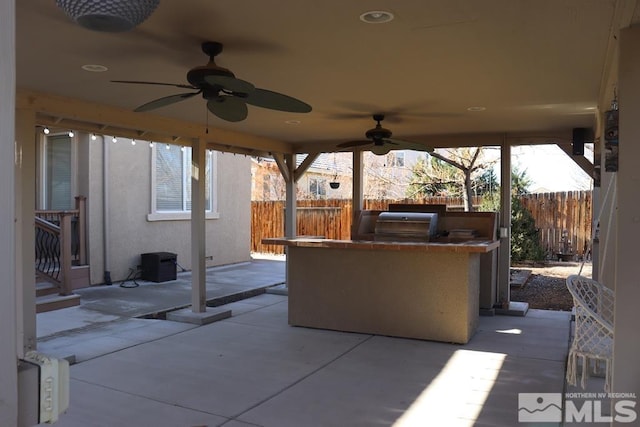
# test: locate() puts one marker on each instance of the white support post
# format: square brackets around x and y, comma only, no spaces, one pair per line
[25,231]
[626,346]
[290,220]
[504,264]
[198,227]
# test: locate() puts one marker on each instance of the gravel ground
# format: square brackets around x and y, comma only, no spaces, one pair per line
[546,287]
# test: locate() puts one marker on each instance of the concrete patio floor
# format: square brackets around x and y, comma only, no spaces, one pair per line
[111,318]
[253,369]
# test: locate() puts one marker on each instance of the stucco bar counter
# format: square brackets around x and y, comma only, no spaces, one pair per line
[424,290]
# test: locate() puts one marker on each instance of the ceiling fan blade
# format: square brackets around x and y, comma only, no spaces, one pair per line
[390,141]
[409,145]
[230,84]
[276,101]
[167,100]
[349,144]
[154,83]
[229,108]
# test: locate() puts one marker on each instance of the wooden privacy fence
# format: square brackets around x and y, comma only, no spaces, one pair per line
[561,216]
[554,214]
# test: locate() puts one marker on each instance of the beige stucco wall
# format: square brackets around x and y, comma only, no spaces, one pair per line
[424,295]
[131,233]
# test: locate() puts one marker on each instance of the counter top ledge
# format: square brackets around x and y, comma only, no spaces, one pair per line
[477,246]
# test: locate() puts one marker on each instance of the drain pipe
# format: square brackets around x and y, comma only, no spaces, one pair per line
[105,212]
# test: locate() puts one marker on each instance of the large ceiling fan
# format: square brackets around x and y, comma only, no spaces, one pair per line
[380,140]
[227,96]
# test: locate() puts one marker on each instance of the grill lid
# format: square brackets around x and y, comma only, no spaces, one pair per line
[406,226]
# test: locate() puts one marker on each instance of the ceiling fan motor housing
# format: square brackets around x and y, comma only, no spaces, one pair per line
[196,75]
[378,133]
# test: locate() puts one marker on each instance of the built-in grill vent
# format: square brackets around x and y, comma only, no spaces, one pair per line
[406,226]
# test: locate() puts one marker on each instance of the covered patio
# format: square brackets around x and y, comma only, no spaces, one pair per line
[536,82]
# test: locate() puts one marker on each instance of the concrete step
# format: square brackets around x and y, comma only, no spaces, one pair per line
[56,302]
[46,288]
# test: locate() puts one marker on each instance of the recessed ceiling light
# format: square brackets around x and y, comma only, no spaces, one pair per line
[292,122]
[376,17]
[476,108]
[94,68]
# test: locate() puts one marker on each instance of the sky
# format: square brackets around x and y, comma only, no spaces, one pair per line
[550,168]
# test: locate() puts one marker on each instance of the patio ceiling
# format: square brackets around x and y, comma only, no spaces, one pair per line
[538,68]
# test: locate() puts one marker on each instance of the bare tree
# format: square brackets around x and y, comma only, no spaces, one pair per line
[469,161]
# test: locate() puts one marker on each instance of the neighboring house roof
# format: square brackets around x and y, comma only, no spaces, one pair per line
[340,162]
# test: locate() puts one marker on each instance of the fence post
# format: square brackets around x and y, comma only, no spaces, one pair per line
[81,206]
[65,255]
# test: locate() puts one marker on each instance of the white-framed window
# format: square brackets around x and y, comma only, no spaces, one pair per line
[57,166]
[171,183]
[318,187]
[395,159]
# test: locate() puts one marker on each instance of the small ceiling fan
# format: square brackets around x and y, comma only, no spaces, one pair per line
[381,141]
[227,96]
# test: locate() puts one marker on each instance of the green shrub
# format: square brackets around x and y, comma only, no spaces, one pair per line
[525,237]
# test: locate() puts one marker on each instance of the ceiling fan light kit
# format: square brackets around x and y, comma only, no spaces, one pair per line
[108,15]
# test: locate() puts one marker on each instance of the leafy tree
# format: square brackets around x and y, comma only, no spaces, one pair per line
[520,182]
[486,183]
[525,237]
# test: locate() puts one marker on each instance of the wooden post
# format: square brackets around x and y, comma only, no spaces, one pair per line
[357,197]
[65,252]
[81,207]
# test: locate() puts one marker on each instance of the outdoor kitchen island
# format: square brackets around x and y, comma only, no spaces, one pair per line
[424,290]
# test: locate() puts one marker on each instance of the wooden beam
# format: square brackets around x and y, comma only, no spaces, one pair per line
[98,115]
[282,166]
[456,140]
[581,161]
[300,170]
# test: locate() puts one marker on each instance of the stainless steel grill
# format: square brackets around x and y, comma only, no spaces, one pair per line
[406,227]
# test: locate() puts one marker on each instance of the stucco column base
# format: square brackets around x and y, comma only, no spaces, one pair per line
[515,308]
[187,315]
[278,289]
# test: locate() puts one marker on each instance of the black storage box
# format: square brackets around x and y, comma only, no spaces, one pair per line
[158,266]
